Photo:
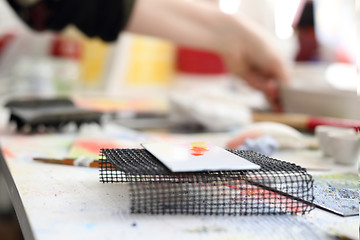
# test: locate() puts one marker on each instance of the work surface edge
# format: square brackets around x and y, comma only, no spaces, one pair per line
[16,200]
[118,220]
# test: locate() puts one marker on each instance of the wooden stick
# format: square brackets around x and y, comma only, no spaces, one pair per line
[65,161]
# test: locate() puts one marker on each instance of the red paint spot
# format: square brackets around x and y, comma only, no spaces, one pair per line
[95,146]
[198,149]
[7,153]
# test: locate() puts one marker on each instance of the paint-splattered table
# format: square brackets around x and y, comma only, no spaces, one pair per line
[66,202]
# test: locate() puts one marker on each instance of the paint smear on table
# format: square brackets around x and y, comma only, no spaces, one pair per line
[90,147]
[26,147]
[136,104]
[338,193]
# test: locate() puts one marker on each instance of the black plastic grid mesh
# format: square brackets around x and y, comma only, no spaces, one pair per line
[278,187]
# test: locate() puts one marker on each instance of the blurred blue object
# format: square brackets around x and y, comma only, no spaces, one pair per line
[265,145]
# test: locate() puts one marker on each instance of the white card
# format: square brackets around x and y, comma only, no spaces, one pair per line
[197,156]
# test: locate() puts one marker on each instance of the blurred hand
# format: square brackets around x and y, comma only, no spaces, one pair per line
[246,50]
[250,54]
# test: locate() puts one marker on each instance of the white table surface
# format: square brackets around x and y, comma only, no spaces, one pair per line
[67,202]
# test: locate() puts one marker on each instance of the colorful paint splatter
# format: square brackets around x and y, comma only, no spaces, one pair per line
[338,193]
[198,148]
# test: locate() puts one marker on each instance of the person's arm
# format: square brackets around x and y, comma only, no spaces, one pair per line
[96,18]
[244,47]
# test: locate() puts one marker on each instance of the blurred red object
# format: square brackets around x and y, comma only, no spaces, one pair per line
[308,45]
[66,48]
[198,62]
[5,40]
[304,24]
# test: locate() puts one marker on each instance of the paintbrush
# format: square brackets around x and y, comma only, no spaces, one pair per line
[81,161]
[305,122]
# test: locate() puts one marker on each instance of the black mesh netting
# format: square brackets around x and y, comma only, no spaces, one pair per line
[278,187]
